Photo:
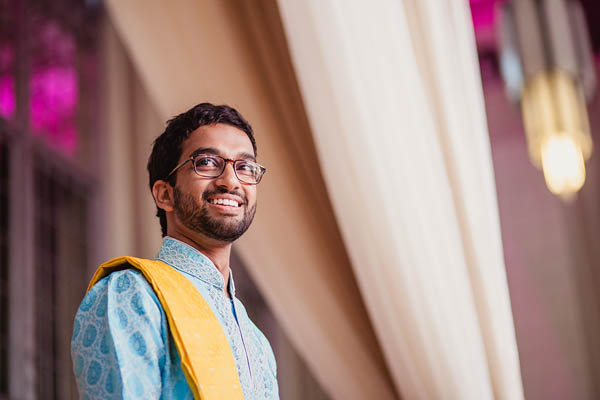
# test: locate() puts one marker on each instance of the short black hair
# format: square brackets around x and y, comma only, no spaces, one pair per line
[166,149]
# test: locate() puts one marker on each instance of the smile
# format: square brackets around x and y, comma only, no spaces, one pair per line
[224,202]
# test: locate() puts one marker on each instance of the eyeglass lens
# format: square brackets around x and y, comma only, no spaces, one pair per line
[213,166]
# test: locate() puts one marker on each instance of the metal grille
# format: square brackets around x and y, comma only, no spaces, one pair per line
[60,261]
[4,317]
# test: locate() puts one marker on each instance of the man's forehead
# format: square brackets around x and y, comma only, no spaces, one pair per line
[219,139]
[242,155]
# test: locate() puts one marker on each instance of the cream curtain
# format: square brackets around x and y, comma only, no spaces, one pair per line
[393,96]
[234,52]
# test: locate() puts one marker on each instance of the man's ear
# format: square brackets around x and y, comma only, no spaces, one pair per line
[163,195]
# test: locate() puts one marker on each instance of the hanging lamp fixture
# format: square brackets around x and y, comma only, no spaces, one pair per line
[547,66]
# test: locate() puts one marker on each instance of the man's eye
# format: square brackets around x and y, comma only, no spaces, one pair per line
[206,162]
[246,169]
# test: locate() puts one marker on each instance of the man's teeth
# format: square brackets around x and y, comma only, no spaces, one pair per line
[225,202]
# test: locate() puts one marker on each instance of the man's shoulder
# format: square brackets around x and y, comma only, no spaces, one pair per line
[126,279]
[125,288]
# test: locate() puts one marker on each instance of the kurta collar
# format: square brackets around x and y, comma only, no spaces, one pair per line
[185,258]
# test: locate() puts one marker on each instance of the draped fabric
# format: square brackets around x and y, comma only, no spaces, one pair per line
[393,95]
[234,52]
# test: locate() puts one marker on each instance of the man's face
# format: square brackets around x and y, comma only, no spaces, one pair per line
[196,197]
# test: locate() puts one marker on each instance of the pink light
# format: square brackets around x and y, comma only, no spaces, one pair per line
[7,96]
[7,83]
[54,95]
[482,12]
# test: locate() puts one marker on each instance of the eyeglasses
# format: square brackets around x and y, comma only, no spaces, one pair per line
[213,166]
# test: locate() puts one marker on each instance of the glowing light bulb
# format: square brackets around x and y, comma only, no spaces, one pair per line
[563,165]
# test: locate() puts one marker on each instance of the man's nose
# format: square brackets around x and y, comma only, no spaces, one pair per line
[228,178]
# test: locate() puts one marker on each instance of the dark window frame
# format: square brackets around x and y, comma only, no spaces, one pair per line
[72,177]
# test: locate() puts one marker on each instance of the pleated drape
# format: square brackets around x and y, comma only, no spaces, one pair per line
[393,95]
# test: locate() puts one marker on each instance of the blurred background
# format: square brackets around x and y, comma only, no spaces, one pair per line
[86,85]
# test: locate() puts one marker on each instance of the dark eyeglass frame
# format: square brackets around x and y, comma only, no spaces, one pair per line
[193,157]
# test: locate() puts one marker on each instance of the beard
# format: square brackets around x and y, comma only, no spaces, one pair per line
[196,217]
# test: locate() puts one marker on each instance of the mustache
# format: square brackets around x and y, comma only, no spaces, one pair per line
[209,193]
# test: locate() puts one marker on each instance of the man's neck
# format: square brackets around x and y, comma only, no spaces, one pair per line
[217,252]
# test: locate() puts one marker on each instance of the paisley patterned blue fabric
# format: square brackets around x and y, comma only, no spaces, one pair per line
[122,349]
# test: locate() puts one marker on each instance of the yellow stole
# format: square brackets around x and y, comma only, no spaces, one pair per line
[206,357]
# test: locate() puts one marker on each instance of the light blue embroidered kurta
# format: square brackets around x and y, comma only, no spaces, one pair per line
[122,348]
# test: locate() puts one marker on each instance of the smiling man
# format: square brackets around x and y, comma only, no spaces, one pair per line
[172,328]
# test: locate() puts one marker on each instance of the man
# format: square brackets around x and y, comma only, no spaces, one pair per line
[171,328]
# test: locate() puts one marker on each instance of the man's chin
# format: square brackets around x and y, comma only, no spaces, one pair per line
[226,234]
[225,223]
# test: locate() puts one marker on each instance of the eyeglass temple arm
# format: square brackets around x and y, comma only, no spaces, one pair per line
[179,166]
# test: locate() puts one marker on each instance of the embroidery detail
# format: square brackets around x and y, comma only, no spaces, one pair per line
[187,259]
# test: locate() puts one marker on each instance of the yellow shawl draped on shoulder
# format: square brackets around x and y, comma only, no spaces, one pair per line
[206,357]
